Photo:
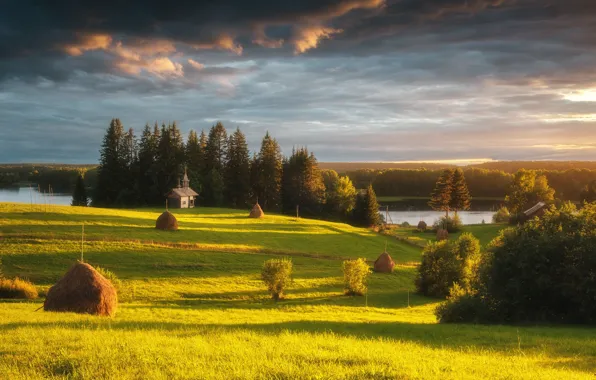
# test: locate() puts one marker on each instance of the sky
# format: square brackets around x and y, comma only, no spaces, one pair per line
[352,80]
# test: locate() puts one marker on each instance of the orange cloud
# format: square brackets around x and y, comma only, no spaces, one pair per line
[196,65]
[223,42]
[88,42]
[308,37]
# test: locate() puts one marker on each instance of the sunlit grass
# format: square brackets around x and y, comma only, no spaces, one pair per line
[193,306]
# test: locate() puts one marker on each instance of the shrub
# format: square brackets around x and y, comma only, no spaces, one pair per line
[446,263]
[277,275]
[355,277]
[422,226]
[541,271]
[451,224]
[405,224]
[502,215]
[462,306]
[17,288]
[110,276]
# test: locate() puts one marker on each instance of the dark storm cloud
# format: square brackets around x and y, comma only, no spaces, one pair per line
[352,79]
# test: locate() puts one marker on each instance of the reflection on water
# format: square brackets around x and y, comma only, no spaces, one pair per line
[413,217]
[31,195]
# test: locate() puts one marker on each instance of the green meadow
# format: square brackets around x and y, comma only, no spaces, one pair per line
[192,305]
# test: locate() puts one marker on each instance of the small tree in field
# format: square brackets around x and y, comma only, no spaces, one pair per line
[355,277]
[277,275]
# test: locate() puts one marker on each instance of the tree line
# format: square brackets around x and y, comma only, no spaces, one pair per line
[140,172]
[568,184]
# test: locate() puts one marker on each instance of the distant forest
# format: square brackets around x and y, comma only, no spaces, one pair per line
[491,179]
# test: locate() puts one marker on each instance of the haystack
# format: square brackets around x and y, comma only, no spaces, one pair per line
[442,234]
[256,212]
[167,222]
[384,264]
[82,290]
[422,226]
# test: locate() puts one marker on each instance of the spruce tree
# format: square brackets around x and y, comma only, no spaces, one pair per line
[129,194]
[79,196]
[215,158]
[147,155]
[366,210]
[169,164]
[440,198]
[268,174]
[237,171]
[195,156]
[302,183]
[460,195]
[110,172]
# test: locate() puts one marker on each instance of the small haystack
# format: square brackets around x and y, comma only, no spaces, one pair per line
[384,264]
[442,234]
[167,222]
[82,290]
[422,226]
[256,212]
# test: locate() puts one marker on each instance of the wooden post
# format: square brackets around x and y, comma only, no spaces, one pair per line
[297,212]
[82,240]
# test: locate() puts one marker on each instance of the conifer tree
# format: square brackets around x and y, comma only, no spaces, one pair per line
[169,164]
[110,172]
[440,198]
[268,174]
[147,154]
[237,171]
[215,158]
[129,193]
[366,210]
[195,156]
[460,195]
[302,183]
[79,196]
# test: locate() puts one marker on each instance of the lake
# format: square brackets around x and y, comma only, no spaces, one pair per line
[413,217]
[31,195]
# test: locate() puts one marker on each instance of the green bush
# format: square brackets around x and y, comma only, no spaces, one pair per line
[462,306]
[355,277]
[451,224]
[111,276]
[502,215]
[17,289]
[277,275]
[445,263]
[541,271]
[405,225]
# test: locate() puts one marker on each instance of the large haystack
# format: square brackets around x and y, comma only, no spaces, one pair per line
[82,290]
[384,264]
[167,222]
[256,212]
[442,234]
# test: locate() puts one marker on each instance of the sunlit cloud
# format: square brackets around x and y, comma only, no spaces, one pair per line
[581,96]
[196,65]
[560,118]
[222,42]
[565,146]
[87,42]
[308,37]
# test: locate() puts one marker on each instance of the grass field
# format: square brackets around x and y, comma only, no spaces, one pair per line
[192,306]
[483,232]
